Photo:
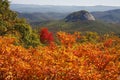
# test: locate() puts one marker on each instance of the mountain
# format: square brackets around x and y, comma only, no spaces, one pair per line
[78,21]
[37,13]
[53,17]
[58,9]
[80,16]
[38,17]
[108,16]
[112,16]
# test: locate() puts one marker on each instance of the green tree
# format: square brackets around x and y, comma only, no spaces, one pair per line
[11,25]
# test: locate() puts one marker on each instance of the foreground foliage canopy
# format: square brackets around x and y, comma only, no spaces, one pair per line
[78,61]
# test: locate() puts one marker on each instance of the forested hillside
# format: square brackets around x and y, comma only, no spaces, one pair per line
[111,16]
[39,17]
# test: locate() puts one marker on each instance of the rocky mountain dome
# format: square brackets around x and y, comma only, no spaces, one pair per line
[80,16]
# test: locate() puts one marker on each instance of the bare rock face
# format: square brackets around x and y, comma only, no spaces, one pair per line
[80,16]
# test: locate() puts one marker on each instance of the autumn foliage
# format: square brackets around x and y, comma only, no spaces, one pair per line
[46,36]
[72,57]
[68,39]
[78,61]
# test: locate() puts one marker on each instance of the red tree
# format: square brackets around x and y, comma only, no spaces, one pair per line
[46,36]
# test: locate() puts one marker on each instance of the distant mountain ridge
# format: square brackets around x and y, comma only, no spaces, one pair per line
[59,9]
[108,16]
[112,16]
[37,17]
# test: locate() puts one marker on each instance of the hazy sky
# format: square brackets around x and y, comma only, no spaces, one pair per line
[69,2]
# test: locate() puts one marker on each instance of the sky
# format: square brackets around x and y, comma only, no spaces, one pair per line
[69,2]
